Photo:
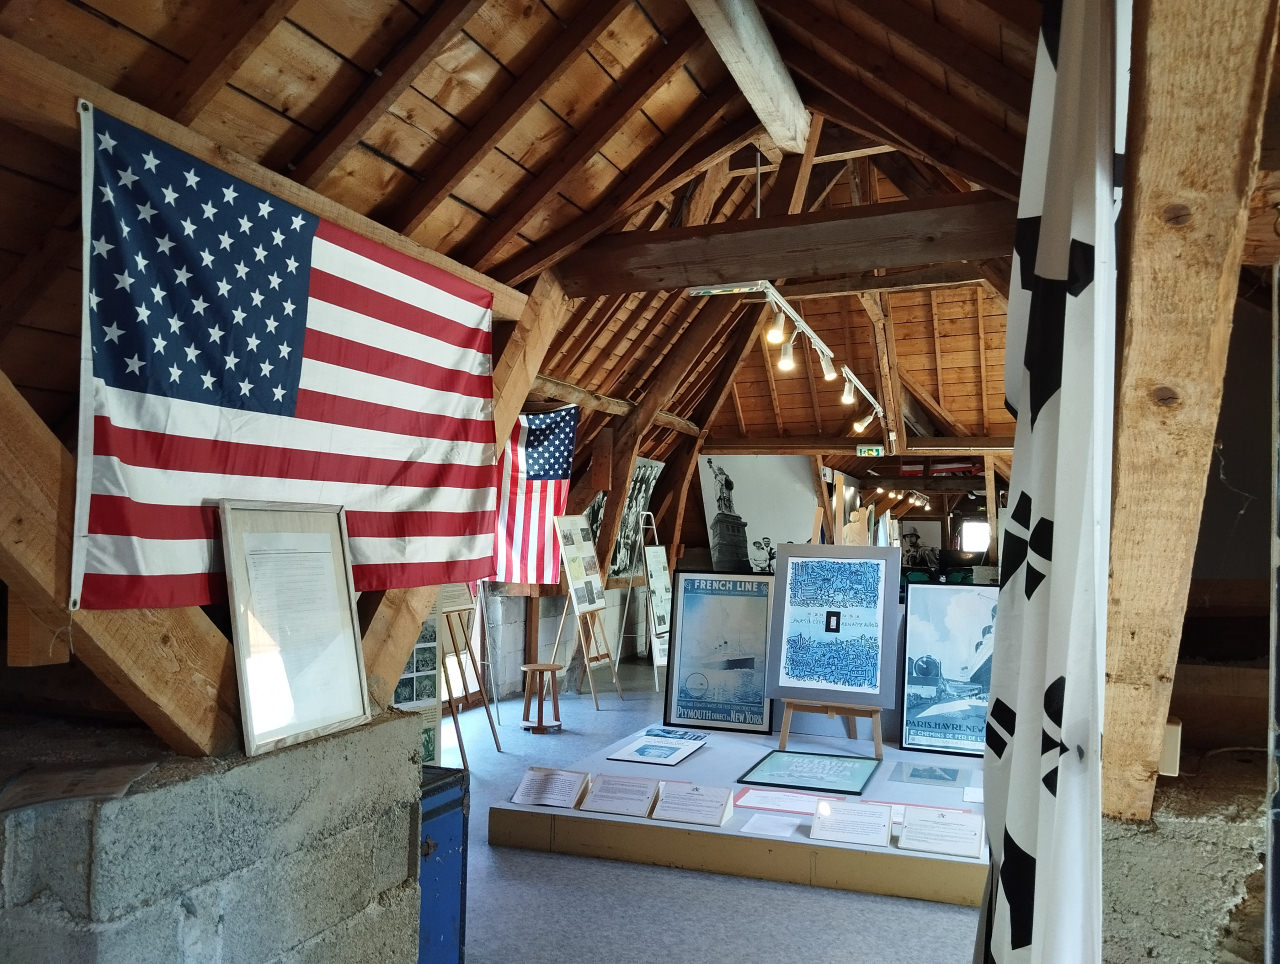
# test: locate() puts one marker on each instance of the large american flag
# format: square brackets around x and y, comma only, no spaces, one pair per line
[535,489]
[236,346]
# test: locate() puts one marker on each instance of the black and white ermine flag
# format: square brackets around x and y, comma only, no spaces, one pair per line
[1043,769]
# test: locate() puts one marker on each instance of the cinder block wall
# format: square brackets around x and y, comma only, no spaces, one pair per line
[309,853]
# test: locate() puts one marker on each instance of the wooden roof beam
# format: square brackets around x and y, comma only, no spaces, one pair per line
[448,171]
[939,44]
[929,484]
[595,402]
[622,196]
[1183,227]
[172,667]
[640,84]
[890,235]
[837,47]
[710,149]
[738,32]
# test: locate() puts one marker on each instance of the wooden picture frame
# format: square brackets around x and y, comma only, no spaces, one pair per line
[716,662]
[299,663]
[834,633]
[946,683]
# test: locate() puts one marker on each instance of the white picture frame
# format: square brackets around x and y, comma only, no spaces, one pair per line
[299,663]
[834,633]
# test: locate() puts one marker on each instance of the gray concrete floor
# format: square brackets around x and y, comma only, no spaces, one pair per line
[537,908]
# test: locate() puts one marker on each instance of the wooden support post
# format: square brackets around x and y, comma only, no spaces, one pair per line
[1202,68]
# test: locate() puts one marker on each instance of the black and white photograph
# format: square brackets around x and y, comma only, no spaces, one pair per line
[627,558]
[754,504]
[921,542]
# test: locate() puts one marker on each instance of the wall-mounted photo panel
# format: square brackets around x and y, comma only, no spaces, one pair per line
[834,633]
[578,555]
[627,558]
[950,640]
[716,670]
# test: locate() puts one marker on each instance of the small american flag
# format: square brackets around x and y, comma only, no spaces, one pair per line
[236,346]
[535,489]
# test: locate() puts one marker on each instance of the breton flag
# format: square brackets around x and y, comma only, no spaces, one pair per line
[235,346]
[535,489]
[1043,767]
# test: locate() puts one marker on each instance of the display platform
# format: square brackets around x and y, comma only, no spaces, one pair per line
[904,779]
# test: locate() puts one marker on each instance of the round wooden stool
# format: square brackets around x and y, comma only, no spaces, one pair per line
[533,683]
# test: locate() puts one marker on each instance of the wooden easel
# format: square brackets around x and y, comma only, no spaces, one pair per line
[831,711]
[460,628]
[594,634]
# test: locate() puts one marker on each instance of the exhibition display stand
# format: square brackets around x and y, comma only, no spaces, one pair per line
[769,842]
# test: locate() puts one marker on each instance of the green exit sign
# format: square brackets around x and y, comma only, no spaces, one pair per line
[870,451]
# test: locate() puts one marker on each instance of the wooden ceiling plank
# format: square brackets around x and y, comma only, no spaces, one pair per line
[622,196]
[640,346]
[740,37]
[604,122]
[42,96]
[814,404]
[982,361]
[550,64]
[172,667]
[603,361]
[1019,15]
[890,235]
[844,100]
[941,45]
[429,38]
[1204,68]
[39,268]
[236,34]
[837,47]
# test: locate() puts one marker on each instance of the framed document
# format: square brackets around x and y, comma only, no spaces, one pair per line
[834,634]
[299,664]
[715,676]
[811,771]
[950,641]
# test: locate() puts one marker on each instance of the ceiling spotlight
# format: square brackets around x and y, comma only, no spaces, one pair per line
[787,358]
[893,494]
[828,368]
[778,330]
[879,490]
[847,397]
[861,424]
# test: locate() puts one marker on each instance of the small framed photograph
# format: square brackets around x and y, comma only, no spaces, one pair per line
[299,663]
[716,660]
[834,633]
[811,771]
[950,641]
